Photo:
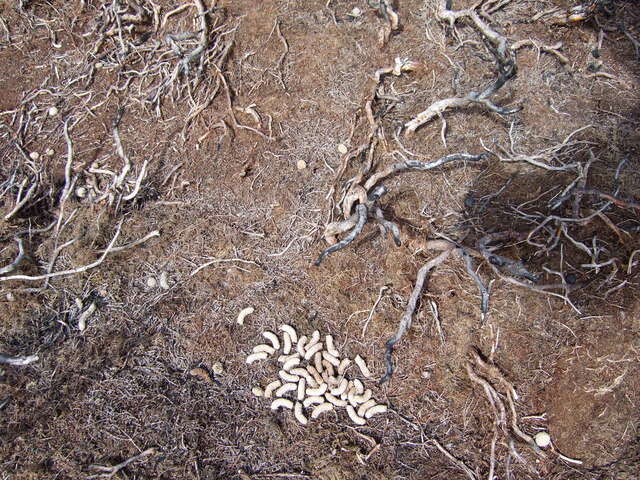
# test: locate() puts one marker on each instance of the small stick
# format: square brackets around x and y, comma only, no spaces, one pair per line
[373,309]
[484,293]
[407,317]
[135,243]
[13,265]
[111,471]
[361,211]
[220,260]
[18,361]
[454,460]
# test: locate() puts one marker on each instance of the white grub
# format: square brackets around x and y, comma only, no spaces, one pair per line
[273,338]
[351,399]
[297,412]
[288,377]
[257,391]
[330,348]
[355,418]
[362,409]
[302,387]
[163,281]
[281,403]
[362,365]
[375,411]
[357,384]
[286,358]
[328,369]
[291,363]
[317,360]
[287,387]
[300,345]
[364,397]
[334,400]
[151,281]
[341,388]
[286,343]
[344,364]
[243,313]
[268,390]
[313,400]
[303,373]
[316,376]
[315,338]
[321,390]
[254,357]
[312,351]
[291,331]
[320,409]
[331,359]
[84,316]
[263,347]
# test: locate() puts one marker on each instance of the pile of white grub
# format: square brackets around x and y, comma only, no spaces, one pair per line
[313,376]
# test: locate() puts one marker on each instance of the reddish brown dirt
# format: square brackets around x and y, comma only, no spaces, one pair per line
[123,385]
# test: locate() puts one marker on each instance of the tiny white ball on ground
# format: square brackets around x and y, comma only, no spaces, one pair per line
[81,192]
[301,164]
[217,368]
[164,281]
[356,12]
[11,297]
[34,155]
[342,148]
[542,439]
[151,281]
[49,152]
[53,111]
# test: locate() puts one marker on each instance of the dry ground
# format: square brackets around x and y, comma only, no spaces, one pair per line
[123,385]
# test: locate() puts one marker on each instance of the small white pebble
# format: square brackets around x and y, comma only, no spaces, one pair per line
[53,111]
[152,282]
[243,313]
[81,192]
[301,164]
[542,439]
[34,155]
[49,152]
[11,297]
[217,368]
[342,148]
[163,281]
[356,12]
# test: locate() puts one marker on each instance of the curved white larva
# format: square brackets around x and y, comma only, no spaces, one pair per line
[311,351]
[263,347]
[331,359]
[315,338]
[254,357]
[357,384]
[363,366]
[286,358]
[273,338]
[257,391]
[330,380]
[313,400]
[335,401]
[268,390]
[330,348]
[291,331]
[297,412]
[355,418]
[286,343]
[287,387]
[243,313]
[366,406]
[302,372]
[328,369]
[302,384]
[341,388]
[289,364]
[302,341]
[317,391]
[320,409]
[288,377]
[362,398]
[281,403]
[342,367]
[317,360]
[375,411]
[316,376]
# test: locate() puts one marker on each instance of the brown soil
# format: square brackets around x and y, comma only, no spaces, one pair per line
[123,385]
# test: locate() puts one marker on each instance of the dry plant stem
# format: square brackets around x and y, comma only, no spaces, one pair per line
[109,472]
[373,309]
[13,265]
[407,317]
[484,293]
[73,271]
[20,200]
[361,212]
[220,260]
[18,361]
[454,460]
[135,243]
